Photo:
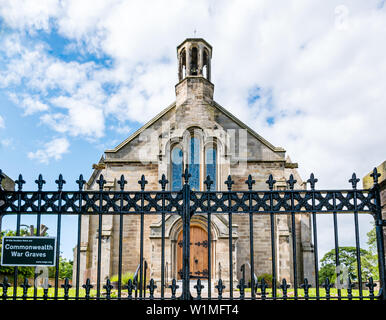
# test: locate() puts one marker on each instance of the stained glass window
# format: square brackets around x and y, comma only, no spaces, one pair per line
[176,169]
[194,163]
[210,165]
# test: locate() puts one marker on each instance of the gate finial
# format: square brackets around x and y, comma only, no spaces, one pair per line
[80,182]
[312,181]
[122,182]
[208,182]
[354,181]
[291,182]
[20,183]
[270,182]
[250,182]
[60,182]
[186,175]
[101,182]
[163,182]
[88,286]
[375,175]
[142,182]
[229,183]
[40,182]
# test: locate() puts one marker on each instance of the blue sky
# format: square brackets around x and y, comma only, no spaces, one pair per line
[77,77]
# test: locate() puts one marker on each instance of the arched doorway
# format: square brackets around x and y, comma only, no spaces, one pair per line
[198,253]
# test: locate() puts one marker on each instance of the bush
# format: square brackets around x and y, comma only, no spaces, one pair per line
[267,278]
[125,277]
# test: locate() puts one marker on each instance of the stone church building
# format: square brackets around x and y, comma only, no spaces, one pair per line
[195,132]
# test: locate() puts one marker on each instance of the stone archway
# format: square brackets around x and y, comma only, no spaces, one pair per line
[173,229]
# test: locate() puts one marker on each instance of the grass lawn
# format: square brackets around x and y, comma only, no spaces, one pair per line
[114,293]
[312,293]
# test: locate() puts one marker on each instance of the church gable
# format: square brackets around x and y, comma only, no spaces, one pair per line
[154,138]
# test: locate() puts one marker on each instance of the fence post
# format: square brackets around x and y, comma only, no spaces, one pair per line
[186,238]
[379,233]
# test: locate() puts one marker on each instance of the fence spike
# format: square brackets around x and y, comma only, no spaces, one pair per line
[108,288]
[81,182]
[60,182]
[186,175]
[229,183]
[375,175]
[220,287]
[198,287]
[20,183]
[350,286]
[101,182]
[327,286]
[122,182]
[66,286]
[163,182]
[142,182]
[25,285]
[284,286]
[88,286]
[174,288]
[5,285]
[306,286]
[270,182]
[241,286]
[263,286]
[208,182]
[291,182]
[371,285]
[151,288]
[40,182]
[250,182]
[354,181]
[129,287]
[312,181]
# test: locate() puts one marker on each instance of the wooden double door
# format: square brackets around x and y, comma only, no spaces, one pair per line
[198,253]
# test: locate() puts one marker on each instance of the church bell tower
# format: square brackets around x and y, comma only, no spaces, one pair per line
[194,71]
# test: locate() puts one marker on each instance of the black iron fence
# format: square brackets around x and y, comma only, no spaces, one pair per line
[187,203]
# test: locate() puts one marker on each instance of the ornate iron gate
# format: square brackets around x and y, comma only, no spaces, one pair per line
[187,203]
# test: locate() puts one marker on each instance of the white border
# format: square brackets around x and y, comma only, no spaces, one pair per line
[27,265]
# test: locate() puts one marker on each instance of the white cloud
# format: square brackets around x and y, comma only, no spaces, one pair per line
[29,15]
[30,104]
[6,142]
[2,124]
[53,149]
[320,68]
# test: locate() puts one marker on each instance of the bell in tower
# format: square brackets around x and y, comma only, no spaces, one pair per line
[194,58]
[194,70]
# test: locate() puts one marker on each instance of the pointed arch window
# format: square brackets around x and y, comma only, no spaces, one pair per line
[211,165]
[176,168]
[194,163]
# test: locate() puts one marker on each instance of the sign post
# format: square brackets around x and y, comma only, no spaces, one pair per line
[28,251]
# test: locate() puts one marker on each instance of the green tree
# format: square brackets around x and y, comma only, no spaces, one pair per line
[373,253]
[372,240]
[348,260]
[65,269]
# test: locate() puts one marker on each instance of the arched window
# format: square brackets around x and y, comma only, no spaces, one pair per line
[176,168]
[183,64]
[194,62]
[205,68]
[194,163]
[210,165]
